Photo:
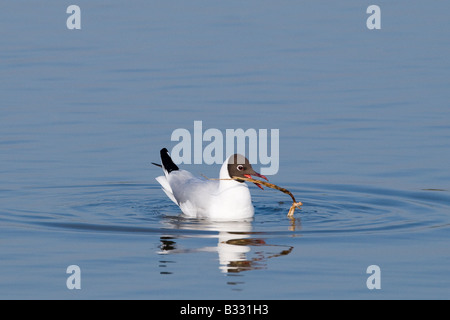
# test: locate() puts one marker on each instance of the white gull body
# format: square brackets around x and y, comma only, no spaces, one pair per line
[219,200]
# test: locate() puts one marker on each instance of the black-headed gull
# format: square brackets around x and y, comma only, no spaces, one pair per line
[212,199]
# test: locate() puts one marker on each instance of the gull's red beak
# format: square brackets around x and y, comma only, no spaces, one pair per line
[258,175]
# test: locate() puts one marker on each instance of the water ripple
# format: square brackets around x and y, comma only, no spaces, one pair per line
[142,208]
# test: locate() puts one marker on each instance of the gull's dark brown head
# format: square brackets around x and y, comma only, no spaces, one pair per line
[239,166]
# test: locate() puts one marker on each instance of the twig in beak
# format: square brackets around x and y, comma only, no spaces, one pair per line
[295,204]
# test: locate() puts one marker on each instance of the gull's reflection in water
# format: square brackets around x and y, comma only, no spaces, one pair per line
[238,248]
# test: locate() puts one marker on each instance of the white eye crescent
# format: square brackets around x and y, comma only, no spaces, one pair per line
[240,167]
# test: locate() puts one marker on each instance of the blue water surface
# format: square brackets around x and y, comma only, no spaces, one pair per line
[364,122]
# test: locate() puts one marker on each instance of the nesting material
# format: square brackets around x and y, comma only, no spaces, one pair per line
[295,204]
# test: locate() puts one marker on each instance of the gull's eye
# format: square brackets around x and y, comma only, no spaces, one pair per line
[240,167]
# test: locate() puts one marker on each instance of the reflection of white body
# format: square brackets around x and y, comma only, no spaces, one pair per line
[229,254]
[229,248]
[222,200]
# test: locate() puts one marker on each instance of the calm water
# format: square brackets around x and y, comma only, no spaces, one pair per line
[364,123]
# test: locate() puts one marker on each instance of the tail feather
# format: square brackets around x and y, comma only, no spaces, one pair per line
[168,166]
[167,163]
[166,187]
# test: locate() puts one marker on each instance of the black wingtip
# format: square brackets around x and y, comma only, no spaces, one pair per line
[167,162]
[157,164]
